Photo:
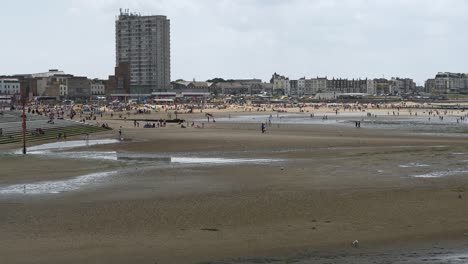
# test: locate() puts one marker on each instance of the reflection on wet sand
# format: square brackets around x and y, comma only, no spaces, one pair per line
[56,187]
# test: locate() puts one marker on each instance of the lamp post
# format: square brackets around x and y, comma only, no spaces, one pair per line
[24,125]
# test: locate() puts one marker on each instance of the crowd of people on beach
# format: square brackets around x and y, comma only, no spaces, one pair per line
[96,114]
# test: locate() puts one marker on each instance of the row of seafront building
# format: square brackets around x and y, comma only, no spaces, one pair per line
[53,83]
[60,85]
[311,86]
[282,85]
[443,83]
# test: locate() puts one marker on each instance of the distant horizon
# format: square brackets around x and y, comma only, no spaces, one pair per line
[246,39]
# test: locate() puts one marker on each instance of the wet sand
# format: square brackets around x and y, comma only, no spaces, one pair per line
[329,186]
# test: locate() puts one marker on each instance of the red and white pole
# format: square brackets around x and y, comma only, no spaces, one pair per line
[24,126]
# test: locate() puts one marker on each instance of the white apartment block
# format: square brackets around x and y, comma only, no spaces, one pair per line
[315,85]
[318,85]
[63,89]
[371,87]
[402,86]
[9,86]
[301,86]
[282,84]
[98,88]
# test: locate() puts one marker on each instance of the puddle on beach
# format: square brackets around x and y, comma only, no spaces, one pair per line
[197,160]
[39,149]
[420,124]
[56,150]
[286,119]
[163,159]
[455,258]
[55,187]
[440,174]
[93,155]
[413,165]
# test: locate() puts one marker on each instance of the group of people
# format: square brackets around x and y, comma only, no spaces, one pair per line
[106,126]
[148,125]
[158,123]
[191,125]
[51,111]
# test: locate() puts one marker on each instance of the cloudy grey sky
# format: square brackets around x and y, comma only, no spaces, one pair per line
[246,38]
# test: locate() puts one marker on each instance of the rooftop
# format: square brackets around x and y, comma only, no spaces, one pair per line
[125,13]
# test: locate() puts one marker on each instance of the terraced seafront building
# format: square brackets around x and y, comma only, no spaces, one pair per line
[144,43]
[9,86]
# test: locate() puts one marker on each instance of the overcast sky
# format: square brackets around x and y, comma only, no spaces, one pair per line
[245,38]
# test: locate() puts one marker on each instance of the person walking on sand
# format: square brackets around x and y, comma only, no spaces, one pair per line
[263,128]
[355,243]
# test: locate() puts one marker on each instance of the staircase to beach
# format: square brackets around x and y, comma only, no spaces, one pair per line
[12,131]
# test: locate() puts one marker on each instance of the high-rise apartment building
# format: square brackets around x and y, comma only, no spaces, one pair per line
[144,43]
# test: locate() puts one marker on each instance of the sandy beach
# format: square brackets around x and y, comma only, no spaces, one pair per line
[300,192]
